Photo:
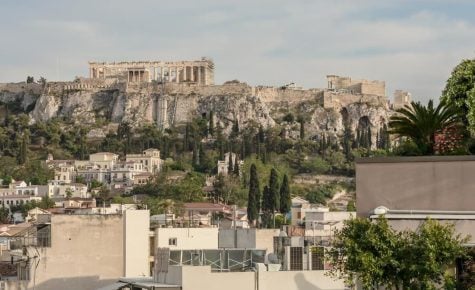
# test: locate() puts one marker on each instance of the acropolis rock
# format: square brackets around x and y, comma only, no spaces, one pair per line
[172,93]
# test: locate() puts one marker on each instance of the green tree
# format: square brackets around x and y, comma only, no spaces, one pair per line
[285,199]
[274,191]
[268,207]
[420,123]
[253,201]
[377,255]
[4,215]
[460,91]
[236,166]
[22,156]
[46,202]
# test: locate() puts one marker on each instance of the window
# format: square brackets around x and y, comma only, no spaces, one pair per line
[172,241]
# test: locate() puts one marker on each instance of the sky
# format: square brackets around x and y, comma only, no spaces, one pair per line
[412,45]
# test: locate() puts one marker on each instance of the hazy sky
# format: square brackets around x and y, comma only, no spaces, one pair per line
[412,45]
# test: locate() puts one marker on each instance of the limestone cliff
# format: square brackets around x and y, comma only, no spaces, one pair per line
[325,112]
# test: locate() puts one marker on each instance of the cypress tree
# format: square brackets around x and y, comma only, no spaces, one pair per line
[236,166]
[368,136]
[274,191]
[195,154]
[267,206]
[261,134]
[253,200]
[302,128]
[285,200]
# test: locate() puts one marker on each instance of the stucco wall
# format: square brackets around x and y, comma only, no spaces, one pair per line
[136,247]
[298,280]
[201,278]
[86,253]
[187,238]
[418,183]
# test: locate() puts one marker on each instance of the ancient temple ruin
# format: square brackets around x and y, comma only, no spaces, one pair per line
[200,72]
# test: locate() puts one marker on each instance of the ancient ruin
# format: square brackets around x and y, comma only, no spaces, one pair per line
[199,72]
[173,93]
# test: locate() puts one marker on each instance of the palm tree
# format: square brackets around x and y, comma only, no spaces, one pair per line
[420,123]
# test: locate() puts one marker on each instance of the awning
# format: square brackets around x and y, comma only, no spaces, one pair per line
[114,286]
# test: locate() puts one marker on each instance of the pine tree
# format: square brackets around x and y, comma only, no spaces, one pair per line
[285,200]
[211,124]
[253,200]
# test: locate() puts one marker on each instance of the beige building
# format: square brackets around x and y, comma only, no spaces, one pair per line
[86,251]
[200,72]
[150,160]
[186,238]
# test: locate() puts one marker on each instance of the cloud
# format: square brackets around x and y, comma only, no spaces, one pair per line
[409,44]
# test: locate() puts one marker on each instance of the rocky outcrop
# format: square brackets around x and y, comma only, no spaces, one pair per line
[230,103]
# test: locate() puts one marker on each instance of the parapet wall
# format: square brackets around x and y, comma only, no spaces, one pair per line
[337,99]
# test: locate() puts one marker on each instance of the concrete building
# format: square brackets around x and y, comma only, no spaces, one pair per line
[19,192]
[150,160]
[60,189]
[186,238]
[321,223]
[200,72]
[410,189]
[84,251]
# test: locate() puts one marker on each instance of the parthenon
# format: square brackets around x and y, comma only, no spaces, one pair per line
[200,72]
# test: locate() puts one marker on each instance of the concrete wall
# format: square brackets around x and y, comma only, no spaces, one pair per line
[463,227]
[201,278]
[265,239]
[262,239]
[86,253]
[136,245]
[187,238]
[419,183]
[298,280]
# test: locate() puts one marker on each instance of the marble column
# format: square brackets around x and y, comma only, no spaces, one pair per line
[199,75]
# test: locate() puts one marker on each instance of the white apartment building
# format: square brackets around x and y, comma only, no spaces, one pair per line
[150,158]
[60,189]
[19,192]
